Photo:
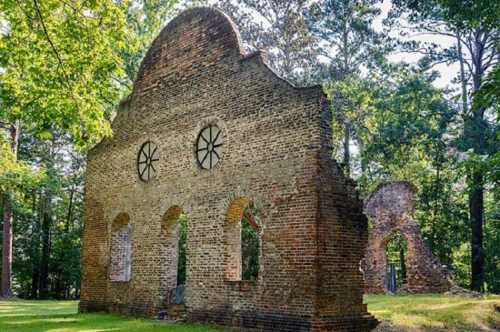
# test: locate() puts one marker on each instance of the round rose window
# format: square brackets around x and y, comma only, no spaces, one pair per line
[209,147]
[147,160]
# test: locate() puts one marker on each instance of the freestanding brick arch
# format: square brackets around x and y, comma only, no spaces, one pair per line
[390,209]
[269,143]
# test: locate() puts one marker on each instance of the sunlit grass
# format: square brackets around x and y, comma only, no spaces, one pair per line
[433,312]
[412,313]
[63,316]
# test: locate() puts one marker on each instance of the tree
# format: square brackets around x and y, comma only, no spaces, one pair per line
[477,39]
[344,28]
[58,62]
[279,28]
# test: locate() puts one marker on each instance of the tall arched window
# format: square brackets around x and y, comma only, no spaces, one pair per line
[121,249]
[173,259]
[242,241]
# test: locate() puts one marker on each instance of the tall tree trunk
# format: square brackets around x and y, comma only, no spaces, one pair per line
[35,255]
[476,178]
[347,151]
[6,289]
[44,261]
[476,208]
[7,248]
[364,162]
[69,217]
[462,74]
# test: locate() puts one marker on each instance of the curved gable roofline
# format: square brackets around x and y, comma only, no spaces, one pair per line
[408,185]
[214,13]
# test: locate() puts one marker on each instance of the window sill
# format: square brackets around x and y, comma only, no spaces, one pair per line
[241,285]
[119,281]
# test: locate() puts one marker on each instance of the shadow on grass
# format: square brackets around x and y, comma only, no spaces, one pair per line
[59,316]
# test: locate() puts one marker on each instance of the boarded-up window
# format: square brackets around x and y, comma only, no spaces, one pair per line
[121,249]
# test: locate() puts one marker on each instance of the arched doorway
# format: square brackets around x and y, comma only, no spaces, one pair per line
[396,252]
[173,259]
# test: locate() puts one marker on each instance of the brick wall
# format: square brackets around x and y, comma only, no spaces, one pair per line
[390,208]
[276,154]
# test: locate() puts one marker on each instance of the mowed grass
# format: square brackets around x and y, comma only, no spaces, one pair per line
[63,316]
[435,313]
[413,313]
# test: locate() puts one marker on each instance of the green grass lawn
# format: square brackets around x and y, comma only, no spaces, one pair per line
[62,316]
[435,313]
[406,313]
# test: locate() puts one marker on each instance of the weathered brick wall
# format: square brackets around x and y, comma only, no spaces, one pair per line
[276,154]
[390,208]
[121,249]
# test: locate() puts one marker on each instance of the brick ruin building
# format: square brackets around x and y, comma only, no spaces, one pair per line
[390,208]
[207,132]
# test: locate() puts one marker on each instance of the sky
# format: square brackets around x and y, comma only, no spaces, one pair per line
[447,71]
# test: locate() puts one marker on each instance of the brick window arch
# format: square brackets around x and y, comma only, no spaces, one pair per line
[241,241]
[121,249]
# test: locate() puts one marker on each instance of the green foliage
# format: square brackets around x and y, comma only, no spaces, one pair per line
[181,262]
[250,249]
[59,62]
[279,28]
[345,29]
[63,68]
[396,252]
[15,175]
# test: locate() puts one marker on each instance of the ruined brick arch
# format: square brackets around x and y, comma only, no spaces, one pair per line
[120,269]
[384,248]
[169,250]
[390,210]
[232,237]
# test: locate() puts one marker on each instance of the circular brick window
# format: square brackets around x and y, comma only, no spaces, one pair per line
[147,160]
[209,146]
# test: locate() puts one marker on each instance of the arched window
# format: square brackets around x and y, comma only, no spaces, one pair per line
[173,257]
[121,249]
[242,241]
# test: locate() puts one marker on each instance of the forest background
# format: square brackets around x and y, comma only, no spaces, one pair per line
[414,85]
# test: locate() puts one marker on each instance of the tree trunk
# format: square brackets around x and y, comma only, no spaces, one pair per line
[476,208]
[6,284]
[69,217]
[7,248]
[44,261]
[462,75]
[476,185]
[35,237]
[364,161]
[347,152]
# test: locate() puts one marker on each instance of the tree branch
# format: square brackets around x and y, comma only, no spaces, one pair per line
[54,49]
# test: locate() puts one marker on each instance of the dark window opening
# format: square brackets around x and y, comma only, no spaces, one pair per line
[250,245]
